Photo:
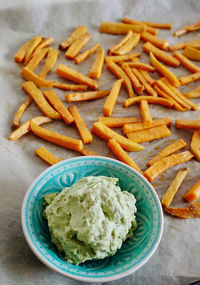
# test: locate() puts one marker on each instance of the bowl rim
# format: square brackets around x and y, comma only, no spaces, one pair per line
[82,278]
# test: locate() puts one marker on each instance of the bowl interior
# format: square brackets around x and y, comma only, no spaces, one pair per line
[133,253]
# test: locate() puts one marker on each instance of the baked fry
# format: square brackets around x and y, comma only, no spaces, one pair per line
[28,75]
[120,28]
[86,96]
[186,62]
[152,100]
[143,81]
[20,54]
[145,113]
[118,151]
[193,193]
[191,211]
[86,151]
[118,45]
[112,98]
[31,47]
[195,93]
[128,45]
[49,63]
[147,77]
[165,163]
[46,42]
[20,111]
[70,87]
[117,58]
[77,45]
[149,28]
[135,83]
[45,155]
[84,55]
[188,124]
[80,30]
[192,27]
[167,26]
[191,52]
[142,66]
[37,58]
[160,43]
[195,145]
[97,66]
[113,122]
[189,78]
[174,186]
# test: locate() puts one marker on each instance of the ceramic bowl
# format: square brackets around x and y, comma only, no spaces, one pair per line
[134,252]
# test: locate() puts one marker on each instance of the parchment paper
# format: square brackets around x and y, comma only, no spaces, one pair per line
[177,260]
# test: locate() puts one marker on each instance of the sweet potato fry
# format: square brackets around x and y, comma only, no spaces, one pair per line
[147,77]
[177,46]
[160,43]
[118,45]
[195,93]
[58,106]
[120,28]
[80,30]
[168,150]
[40,100]
[145,113]
[31,47]
[118,122]
[56,138]
[134,127]
[106,133]
[161,55]
[191,211]
[191,52]
[167,26]
[193,193]
[70,87]
[25,127]
[174,186]
[192,27]
[189,78]
[165,163]
[77,45]
[84,55]
[86,151]
[114,68]
[186,62]
[164,71]
[20,111]
[117,58]
[37,58]
[45,155]
[188,124]
[128,45]
[116,148]
[152,100]
[149,28]
[46,42]
[86,96]
[75,76]
[97,66]
[85,134]
[143,81]
[49,63]
[147,135]
[112,98]
[135,83]
[20,54]
[142,66]
[195,145]
[28,75]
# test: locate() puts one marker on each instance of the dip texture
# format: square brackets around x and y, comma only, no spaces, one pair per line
[90,219]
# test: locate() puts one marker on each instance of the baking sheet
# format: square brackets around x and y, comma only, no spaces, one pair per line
[177,259]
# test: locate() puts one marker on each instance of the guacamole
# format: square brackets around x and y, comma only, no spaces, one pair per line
[90,219]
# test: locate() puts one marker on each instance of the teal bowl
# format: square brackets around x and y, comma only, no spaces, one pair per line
[134,252]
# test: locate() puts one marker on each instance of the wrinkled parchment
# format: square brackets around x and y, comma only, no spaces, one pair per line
[177,259]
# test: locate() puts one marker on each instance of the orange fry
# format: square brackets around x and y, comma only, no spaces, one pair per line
[77,45]
[135,83]
[40,100]
[152,100]
[128,45]
[165,163]
[191,211]
[188,124]
[145,113]
[182,45]
[167,26]
[149,28]
[28,75]
[189,78]
[191,52]
[46,42]
[86,96]
[75,76]
[49,63]
[112,98]
[20,54]
[143,81]
[20,111]
[117,58]
[80,30]
[25,127]
[193,194]
[85,134]
[192,27]
[142,66]
[84,55]
[70,87]
[186,62]
[97,66]
[118,45]
[45,155]
[58,106]
[160,43]
[56,138]
[86,151]
[114,122]
[147,77]
[195,145]
[37,58]
[31,47]
[116,148]
[120,28]
[195,93]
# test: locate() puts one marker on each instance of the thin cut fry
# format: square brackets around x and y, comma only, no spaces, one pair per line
[191,211]
[45,155]
[128,45]
[167,26]
[161,55]
[86,96]
[117,58]
[191,52]
[56,138]
[115,147]
[28,75]
[152,100]
[49,63]
[192,27]
[149,28]
[186,62]
[46,42]
[97,66]
[86,151]
[189,78]
[195,145]
[168,150]
[118,45]
[147,77]
[143,81]
[83,56]
[182,45]
[118,122]
[147,135]
[40,100]
[193,194]
[106,133]
[31,47]
[77,45]
[25,127]
[80,30]
[70,87]
[114,68]
[112,98]
[145,113]
[174,186]
[20,54]
[37,58]
[160,43]
[76,77]
[195,93]
[58,106]
[20,111]
[85,134]
[188,124]
[142,66]
[165,163]
[120,28]
[135,83]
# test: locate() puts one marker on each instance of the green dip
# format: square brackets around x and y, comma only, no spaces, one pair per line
[90,219]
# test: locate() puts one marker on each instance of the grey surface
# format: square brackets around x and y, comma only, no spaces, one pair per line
[177,259]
